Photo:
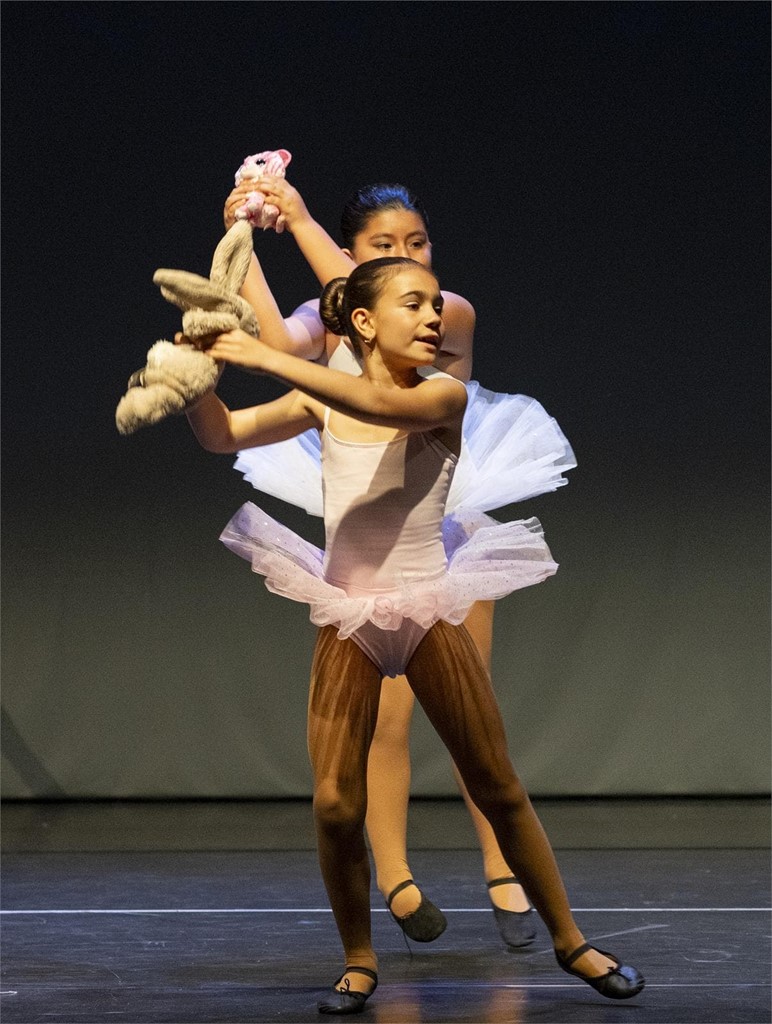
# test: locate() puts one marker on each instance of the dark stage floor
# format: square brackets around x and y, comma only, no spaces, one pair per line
[213,912]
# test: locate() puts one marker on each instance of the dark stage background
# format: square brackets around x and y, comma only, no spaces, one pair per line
[597,180]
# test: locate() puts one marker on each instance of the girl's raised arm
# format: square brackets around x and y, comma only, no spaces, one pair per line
[302,333]
[323,255]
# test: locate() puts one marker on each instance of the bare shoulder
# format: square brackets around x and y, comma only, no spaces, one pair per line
[308,308]
[445,388]
[307,330]
[447,398]
[307,313]
[458,307]
[458,317]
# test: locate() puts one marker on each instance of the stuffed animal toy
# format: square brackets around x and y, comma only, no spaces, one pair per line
[176,376]
[255,210]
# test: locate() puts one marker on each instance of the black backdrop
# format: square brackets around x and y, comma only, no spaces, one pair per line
[597,181]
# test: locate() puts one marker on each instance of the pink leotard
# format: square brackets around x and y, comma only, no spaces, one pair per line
[383,509]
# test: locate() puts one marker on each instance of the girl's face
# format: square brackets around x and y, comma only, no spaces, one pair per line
[393,233]
[406,322]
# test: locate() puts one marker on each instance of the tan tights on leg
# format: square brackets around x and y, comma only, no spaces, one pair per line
[450,681]
[388,789]
[388,786]
[479,625]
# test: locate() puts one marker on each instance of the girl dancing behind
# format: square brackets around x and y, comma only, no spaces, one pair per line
[390,592]
[380,220]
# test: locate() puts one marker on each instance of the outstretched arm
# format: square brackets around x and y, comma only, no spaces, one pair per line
[437,402]
[220,429]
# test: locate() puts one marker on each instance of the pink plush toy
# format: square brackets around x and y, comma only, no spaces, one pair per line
[255,210]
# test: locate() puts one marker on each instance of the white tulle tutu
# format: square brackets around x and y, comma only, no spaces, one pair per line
[512,450]
[486,561]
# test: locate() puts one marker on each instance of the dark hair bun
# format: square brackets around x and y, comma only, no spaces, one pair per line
[331,306]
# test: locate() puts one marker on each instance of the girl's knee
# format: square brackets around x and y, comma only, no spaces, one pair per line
[495,796]
[335,810]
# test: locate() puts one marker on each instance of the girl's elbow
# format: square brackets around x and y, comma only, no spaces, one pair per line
[216,445]
[224,448]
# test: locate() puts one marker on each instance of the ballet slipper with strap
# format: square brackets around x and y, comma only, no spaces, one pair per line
[621,982]
[516,927]
[426,923]
[345,1000]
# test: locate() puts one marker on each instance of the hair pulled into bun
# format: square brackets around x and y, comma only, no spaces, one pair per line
[331,306]
[361,290]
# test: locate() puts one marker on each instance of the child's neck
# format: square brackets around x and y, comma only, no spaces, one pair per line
[387,375]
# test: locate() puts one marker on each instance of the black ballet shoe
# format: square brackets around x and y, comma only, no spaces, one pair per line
[621,982]
[344,1000]
[426,923]
[516,927]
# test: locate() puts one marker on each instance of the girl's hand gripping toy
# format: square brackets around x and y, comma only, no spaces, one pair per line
[255,210]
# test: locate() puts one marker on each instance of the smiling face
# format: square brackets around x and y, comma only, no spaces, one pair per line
[397,232]
[405,324]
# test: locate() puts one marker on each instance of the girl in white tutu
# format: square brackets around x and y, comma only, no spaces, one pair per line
[386,595]
[513,450]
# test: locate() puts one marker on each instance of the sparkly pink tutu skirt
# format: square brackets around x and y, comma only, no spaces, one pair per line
[486,560]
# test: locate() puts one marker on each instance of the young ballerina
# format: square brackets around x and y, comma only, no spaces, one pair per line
[532,455]
[391,590]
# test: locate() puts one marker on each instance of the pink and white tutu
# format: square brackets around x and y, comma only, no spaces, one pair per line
[486,560]
[512,450]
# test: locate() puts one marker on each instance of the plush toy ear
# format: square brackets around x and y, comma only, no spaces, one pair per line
[232,256]
[191,291]
[208,307]
[221,290]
